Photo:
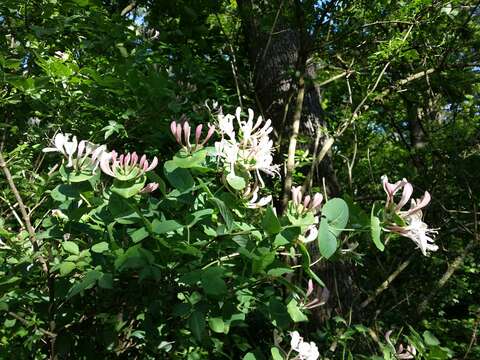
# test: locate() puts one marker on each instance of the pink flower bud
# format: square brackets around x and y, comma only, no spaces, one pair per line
[317,201]
[120,160]
[178,134]
[186,134]
[134,159]
[198,132]
[149,188]
[406,194]
[173,128]
[306,201]
[211,130]
[297,195]
[142,160]
[127,159]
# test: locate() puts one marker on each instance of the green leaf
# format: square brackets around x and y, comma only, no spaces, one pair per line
[286,236]
[87,282]
[193,161]
[225,212]
[276,272]
[249,356]
[100,247]
[264,258]
[375,232]
[197,324]
[236,182]
[294,311]
[71,247]
[66,267]
[106,281]
[162,227]
[179,178]
[65,192]
[212,282]
[270,222]
[430,339]
[217,325]
[336,212]
[139,234]
[276,353]
[327,241]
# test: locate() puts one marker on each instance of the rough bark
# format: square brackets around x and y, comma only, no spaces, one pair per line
[276,70]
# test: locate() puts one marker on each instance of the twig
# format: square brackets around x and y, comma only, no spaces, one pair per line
[25,322]
[23,211]
[387,282]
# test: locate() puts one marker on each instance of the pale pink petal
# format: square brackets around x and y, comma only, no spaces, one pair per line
[406,195]
[152,165]
[309,288]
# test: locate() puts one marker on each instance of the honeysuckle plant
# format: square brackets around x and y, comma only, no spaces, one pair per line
[191,249]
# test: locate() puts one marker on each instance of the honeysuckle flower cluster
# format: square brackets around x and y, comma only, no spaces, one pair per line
[304,205]
[400,352]
[126,166]
[181,132]
[77,153]
[307,203]
[248,151]
[306,351]
[411,224]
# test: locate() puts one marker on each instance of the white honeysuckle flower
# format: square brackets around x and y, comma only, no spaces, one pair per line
[419,232]
[413,228]
[296,339]
[225,125]
[306,351]
[251,149]
[76,152]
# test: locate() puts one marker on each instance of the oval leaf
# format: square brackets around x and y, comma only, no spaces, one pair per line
[70,247]
[336,212]
[327,241]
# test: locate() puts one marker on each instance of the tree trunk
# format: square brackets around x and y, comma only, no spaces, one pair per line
[279,60]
